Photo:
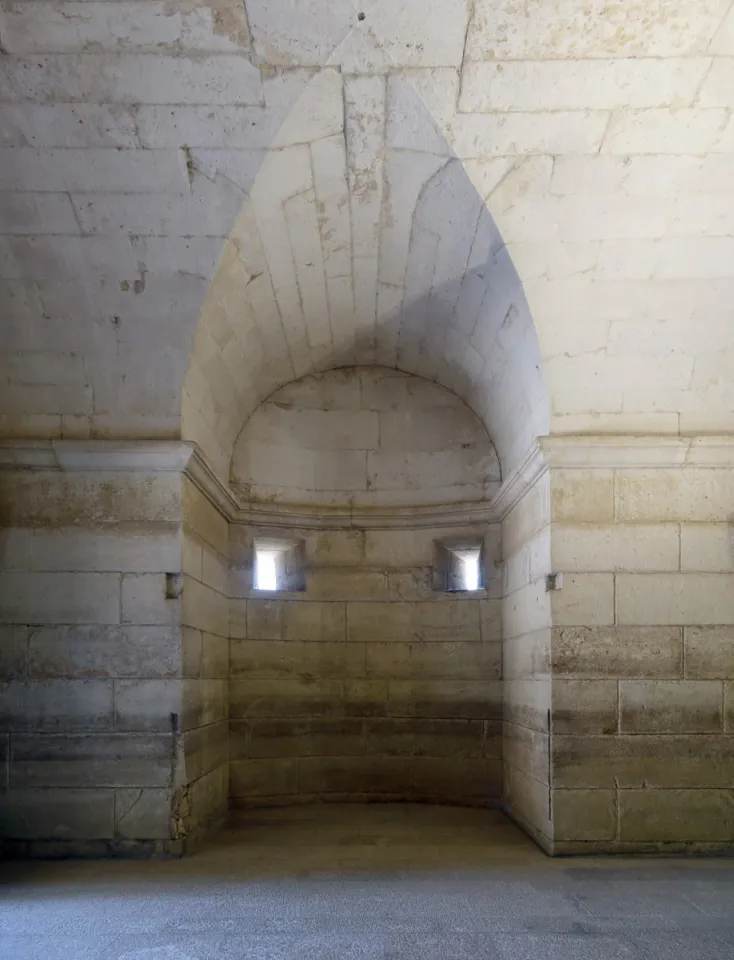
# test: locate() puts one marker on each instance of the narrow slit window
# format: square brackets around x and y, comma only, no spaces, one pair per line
[279,566]
[266,577]
[459,566]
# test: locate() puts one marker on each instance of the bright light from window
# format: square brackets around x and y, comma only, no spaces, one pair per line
[470,569]
[265,574]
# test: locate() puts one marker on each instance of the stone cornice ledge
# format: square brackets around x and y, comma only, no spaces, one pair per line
[637,452]
[103,456]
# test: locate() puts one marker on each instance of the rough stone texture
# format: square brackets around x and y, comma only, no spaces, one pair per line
[526,204]
[392,694]
[639,687]
[364,437]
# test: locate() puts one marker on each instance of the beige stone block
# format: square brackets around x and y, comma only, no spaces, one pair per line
[255,779]
[729,707]
[148,705]
[628,547]
[413,585]
[582,496]
[101,549]
[670,706]
[293,697]
[527,801]
[467,699]
[40,499]
[528,610]
[143,814]
[425,738]
[206,748]
[528,703]
[527,657]
[457,621]
[490,620]
[144,600]
[643,761]
[690,494]
[238,619]
[585,599]
[395,549]
[306,738]
[203,608]
[527,518]
[54,706]
[203,518]
[191,652]
[103,651]
[345,584]
[209,797]
[215,656]
[425,661]
[584,815]
[327,548]
[526,750]
[192,560]
[215,571]
[707,547]
[380,621]
[670,598]
[204,701]
[676,816]
[709,653]
[63,814]
[265,619]
[59,597]
[109,760]
[293,658]
[584,706]
[589,652]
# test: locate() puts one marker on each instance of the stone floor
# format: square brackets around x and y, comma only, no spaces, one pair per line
[368,883]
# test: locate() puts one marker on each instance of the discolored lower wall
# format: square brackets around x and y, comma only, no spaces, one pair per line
[367,686]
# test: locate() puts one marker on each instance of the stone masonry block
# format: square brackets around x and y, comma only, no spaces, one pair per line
[670,706]
[306,738]
[625,547]
[56,705]
[111,760]
[709,653]
[691,494]
[60,597]
[143,814]
[425,738]
[670,598]
[643,760]
[584,707]
[582,496]
[51,813]
[270,659]
[664,816]
[707,547]
[655,652]
[102,651]
[584,815]
[585,599]
[144,600]
[148,705]
[429,699]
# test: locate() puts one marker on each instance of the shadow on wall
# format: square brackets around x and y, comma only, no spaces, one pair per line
[371,246]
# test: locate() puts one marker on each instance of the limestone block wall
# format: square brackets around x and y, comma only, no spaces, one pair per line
[205,661]
[643,644]
[90,652]
[367,685]
[364,437]
[526,630]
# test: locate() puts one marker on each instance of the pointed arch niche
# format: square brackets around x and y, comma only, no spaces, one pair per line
[366,383]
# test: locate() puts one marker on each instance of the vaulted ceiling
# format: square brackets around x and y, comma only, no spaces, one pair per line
[528,201]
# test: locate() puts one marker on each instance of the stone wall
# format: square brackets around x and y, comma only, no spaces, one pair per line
[90,695]
[526,631]
[205,661]
[364,437]
[643,644]
[367,685]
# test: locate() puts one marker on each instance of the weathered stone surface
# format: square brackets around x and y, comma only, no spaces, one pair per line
[655,652]
[40,813]
[643,761]
[666,815]
[584,706]
[670,706]
[588,815]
